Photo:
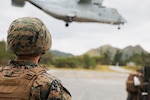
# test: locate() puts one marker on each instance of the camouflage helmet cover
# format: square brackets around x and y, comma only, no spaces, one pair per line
[28,36]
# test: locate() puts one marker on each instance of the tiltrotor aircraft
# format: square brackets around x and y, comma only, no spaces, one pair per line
[77,10]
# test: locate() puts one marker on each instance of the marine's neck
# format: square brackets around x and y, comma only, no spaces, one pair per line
[30,58]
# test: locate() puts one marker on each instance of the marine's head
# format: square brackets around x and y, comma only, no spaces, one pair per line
[28,36]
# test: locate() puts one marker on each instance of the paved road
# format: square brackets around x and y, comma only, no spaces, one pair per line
[119,69]
[93,85]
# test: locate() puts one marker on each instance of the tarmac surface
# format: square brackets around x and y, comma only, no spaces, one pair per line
[93,85]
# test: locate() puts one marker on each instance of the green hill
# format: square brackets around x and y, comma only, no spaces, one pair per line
[126,52]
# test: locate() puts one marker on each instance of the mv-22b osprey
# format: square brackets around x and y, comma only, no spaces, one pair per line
[77,10]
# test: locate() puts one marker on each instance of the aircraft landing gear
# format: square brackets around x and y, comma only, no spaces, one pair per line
[119,27]
[68,20]
[67,24]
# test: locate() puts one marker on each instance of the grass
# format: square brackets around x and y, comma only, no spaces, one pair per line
[104,68]
[132,68]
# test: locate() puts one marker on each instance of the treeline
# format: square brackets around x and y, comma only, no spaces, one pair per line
[84,61]
[142,59]
[88,62]
[70,62]
[4,56]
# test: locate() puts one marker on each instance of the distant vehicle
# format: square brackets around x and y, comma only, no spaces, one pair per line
[76,10]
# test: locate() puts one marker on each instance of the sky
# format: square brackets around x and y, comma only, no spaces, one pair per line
[79,38]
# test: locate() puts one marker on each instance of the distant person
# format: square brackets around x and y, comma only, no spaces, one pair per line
[135,86]
[23,78]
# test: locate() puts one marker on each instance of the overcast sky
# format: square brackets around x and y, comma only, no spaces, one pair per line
[78,38]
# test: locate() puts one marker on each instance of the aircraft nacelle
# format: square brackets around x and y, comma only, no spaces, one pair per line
[19,3]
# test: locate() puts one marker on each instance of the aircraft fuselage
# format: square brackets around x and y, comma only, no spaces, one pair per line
[77,10]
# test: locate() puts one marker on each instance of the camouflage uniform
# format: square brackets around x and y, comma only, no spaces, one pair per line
[45,86]
[28,36]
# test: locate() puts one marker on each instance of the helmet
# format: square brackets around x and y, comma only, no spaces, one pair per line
[28,36]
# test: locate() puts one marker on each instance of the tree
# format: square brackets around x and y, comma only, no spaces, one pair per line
[117,58]
[106,57]
[89,62]
[4,55]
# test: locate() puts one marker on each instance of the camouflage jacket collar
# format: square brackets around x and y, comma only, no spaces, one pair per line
[25,63]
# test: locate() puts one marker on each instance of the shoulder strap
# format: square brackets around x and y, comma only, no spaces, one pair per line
[38,70]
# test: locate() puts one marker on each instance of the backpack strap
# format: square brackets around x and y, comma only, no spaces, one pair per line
[38,70]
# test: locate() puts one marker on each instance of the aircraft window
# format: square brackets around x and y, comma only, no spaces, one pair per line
[97,3]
